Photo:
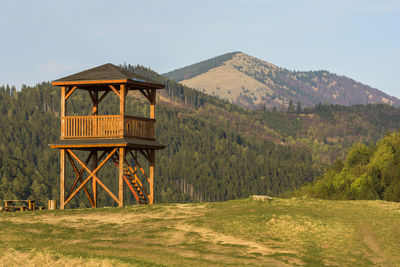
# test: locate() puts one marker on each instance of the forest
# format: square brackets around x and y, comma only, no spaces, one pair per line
[215,151]
[368,172]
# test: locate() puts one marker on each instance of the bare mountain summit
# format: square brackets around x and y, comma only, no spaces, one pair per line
[253,83]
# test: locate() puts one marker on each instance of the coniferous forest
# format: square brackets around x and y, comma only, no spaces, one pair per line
[215,150]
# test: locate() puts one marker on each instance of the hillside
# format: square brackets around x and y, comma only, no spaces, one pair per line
[224,151]
[253,83]
[284,232]
[30,169]
[368,172]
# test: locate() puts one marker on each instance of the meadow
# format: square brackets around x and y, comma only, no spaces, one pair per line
[283,232]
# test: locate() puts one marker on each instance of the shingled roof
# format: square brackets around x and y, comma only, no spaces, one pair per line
[107,72]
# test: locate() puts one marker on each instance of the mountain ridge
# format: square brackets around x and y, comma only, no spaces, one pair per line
[255,83]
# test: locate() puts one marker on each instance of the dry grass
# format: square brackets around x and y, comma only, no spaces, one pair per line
[284,232]
[11,258]
[228,82]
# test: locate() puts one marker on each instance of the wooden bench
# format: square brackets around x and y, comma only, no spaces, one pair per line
[29,205]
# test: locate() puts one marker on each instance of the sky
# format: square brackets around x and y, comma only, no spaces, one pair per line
[49,39]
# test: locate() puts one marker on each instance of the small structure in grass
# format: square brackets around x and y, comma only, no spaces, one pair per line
[261,198]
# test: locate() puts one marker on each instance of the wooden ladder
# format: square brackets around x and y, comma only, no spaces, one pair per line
[133,182]
[141,197]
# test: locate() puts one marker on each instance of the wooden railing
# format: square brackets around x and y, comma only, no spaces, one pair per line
[106,126]
[139,127]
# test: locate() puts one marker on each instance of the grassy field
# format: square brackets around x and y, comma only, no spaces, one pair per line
[284,232]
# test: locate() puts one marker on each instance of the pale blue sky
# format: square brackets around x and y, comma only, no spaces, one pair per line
[45,40]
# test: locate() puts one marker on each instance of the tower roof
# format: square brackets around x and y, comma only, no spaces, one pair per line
[106,74]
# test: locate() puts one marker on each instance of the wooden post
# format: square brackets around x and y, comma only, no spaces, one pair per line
[95,110]
[62,178]
[94,182]
[122,108]
[152,103]
[121,176]
[152,157]
[95,103]
[63,111]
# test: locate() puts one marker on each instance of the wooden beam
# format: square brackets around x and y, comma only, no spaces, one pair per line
[106,189]
[121,175]
[78,177]
[140,166]
[122,89]
[152,103]
[115,160]
[61,83]
[90,92]
[70,92]
[145,93]
[131,189]
[103,96]
[114,89]
[63,111]
[134,172]
[94,182]
[91,174]
[62,178]
[134,84]
[95,103]
[152,165]
[145,154]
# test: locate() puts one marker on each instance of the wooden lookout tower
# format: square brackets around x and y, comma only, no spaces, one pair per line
[118,139]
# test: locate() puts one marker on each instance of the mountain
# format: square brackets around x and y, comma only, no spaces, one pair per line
[216,150]
[253,83]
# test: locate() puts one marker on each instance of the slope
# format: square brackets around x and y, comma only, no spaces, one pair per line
[224,151]
[196,143]
[254,83]
[284,232]
[368,172]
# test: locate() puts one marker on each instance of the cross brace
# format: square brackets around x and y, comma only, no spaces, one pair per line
[129,175]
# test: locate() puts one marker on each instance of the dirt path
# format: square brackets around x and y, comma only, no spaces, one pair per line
[250,246]
[375,254]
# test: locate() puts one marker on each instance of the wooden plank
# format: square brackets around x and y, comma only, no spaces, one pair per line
[62,178]
[121,176]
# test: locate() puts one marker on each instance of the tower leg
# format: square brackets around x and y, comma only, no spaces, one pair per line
[152,165]
[121,176]
[62,178]
[94,182]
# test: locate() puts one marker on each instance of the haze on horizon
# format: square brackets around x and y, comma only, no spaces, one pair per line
[45,40]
